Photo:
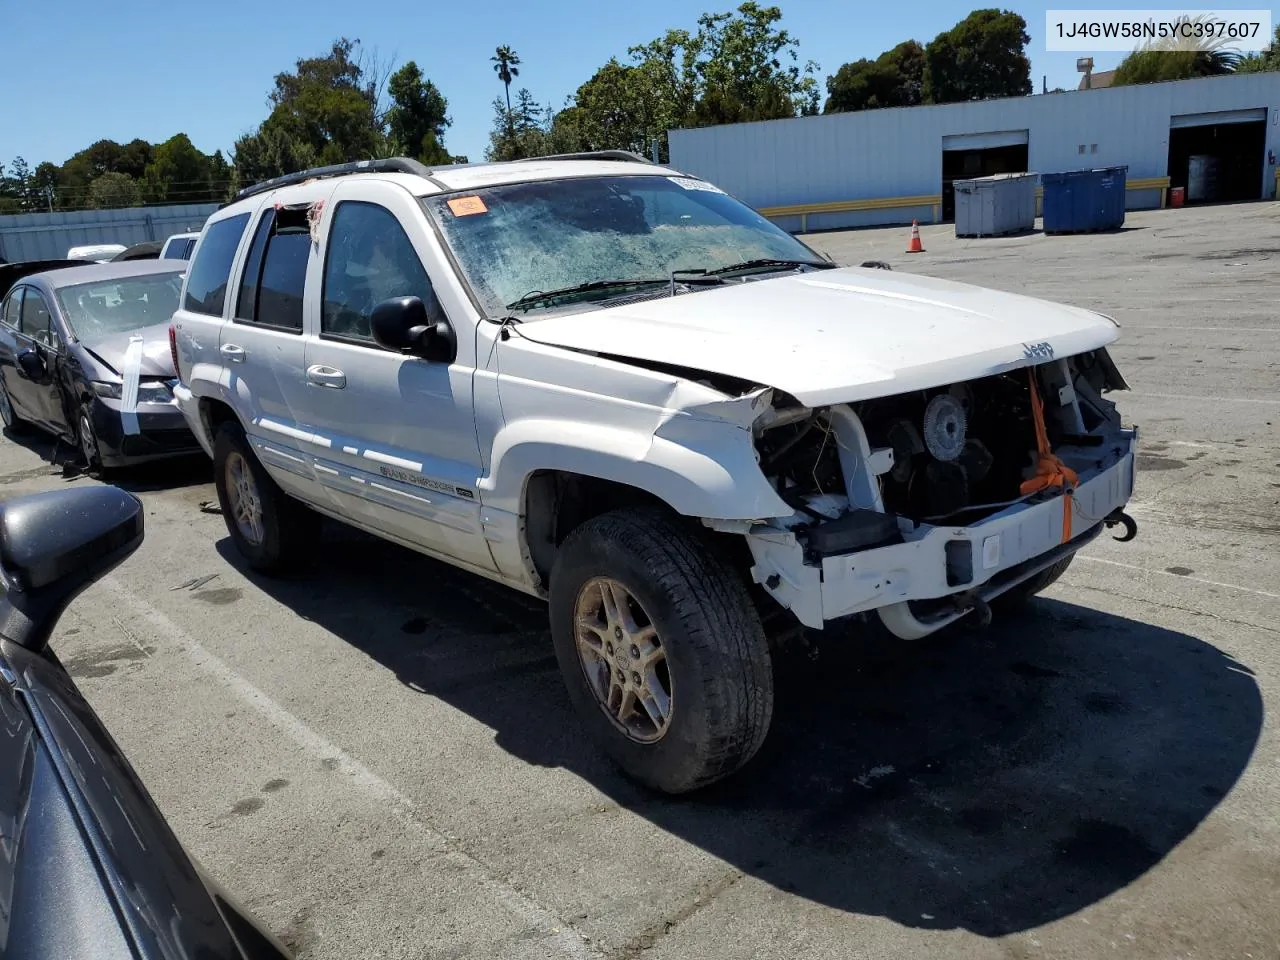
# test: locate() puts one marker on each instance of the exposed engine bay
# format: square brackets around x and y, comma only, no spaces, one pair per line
[950,455]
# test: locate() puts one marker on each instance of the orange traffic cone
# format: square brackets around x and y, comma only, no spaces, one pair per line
[915,246]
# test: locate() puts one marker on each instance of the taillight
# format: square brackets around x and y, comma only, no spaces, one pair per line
[173,349]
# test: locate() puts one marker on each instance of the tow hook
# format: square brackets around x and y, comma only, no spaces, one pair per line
[975,611]
[1130,525]
[981,613]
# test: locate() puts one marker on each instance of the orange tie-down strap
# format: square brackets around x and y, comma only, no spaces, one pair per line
[1050,471]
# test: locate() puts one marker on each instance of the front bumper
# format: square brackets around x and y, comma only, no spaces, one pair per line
[981,560]
[162,433]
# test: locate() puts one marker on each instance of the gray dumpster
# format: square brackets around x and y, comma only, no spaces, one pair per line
[993,206]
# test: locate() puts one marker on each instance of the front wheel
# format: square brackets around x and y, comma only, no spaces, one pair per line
[661,649]
[88,440]
[272,531]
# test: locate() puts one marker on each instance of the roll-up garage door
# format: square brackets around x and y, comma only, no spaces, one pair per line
[1222,116]
[985,141]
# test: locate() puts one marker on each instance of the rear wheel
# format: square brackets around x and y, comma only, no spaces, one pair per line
[272,531]
[661,649]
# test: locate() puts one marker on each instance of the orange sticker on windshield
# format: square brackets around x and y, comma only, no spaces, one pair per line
[467,206]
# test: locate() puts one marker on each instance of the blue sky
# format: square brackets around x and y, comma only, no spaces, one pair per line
[77,71]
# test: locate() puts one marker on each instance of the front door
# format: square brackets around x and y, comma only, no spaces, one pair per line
[395,434]
[35,394]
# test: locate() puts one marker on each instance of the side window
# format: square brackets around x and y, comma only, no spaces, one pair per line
[13,308]
[36,320]
[275,274]
[211,271]
[369,259]
[246,299]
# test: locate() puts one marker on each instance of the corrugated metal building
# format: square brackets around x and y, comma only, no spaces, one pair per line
[1217,137]
[40,236]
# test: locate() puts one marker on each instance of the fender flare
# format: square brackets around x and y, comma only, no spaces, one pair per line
[719,479]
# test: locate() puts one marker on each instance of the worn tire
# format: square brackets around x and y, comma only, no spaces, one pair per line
[721,674]
[87,440]
[288,528]
[1023,592]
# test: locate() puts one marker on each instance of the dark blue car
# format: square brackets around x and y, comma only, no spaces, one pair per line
[70,339]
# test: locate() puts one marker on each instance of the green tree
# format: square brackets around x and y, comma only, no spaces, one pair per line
[1265,61]
[273,150]
[112,191]
[418,116]
[506,65]
[982,56]
[1177,58]
[324,111]
[519,132]
[894,79]
[179,173]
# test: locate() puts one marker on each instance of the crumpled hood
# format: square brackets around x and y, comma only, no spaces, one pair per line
[836,336]
[157,361]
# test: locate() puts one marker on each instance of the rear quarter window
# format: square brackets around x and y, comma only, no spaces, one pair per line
[211,269]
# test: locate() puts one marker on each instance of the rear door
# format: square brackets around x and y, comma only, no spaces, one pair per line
[395,435]
[262,347]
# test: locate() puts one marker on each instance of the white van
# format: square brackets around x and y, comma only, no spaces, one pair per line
[101,252]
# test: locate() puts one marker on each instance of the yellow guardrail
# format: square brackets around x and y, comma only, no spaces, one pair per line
[804,210]
[1142,183]
[934,200]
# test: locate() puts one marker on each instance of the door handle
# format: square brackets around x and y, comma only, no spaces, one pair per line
[232,352]
[318,375]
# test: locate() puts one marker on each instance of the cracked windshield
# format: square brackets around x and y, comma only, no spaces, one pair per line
[534,238]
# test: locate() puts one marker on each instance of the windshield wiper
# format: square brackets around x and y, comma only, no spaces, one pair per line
[768,262]
[545,296]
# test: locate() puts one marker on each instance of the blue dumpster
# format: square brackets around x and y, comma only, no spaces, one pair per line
[1084,201]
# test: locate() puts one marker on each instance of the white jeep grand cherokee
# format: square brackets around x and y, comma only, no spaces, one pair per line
[613,386]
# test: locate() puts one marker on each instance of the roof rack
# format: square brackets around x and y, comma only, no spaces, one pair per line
[388,165]
[623,155]
[408,165]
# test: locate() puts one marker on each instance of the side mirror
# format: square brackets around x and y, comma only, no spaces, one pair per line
[31,365]
[54,545]
[401,323]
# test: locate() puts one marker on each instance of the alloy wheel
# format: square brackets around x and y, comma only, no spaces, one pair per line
[88,443]
[246,504]
[623,659]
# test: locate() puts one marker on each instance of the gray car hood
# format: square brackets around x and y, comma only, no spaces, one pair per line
[156,358]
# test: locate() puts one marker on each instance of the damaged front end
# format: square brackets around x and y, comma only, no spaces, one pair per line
[926,505]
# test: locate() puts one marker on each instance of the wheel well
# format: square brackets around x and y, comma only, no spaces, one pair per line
[213,413]
[558,501]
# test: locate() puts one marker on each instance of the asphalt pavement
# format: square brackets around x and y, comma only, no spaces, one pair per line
[378,757]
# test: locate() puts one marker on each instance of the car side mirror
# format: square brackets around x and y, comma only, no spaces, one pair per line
[402,323]
[54,545]
[31,364]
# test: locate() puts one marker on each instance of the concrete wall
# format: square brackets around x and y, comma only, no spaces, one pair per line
[38,236]
[898,152]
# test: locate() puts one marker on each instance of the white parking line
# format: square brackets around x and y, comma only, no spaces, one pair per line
[562,939]
[1176,326]
[1178,576]
[1183,396]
